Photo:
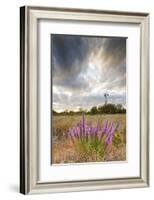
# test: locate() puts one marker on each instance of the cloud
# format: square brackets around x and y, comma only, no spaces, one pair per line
[87,100]
[110,54]
[68,51]
[88,67]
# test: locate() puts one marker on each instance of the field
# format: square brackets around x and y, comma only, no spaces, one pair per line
[64,150]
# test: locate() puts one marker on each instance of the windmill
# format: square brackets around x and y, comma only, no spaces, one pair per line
[106,95]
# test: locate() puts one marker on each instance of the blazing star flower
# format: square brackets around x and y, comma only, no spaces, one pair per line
[77,131]
[110,135]
[82,129]
[97,128]
[105,128]
[83,123]
[91,129]
[109,128]
[87,130]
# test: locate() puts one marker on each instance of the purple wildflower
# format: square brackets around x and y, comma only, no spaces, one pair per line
[110,135]
[91,129]
[84,130]
[77,131]
[83,123]
[97,128]
[87,129]
[104,130]
[109,128]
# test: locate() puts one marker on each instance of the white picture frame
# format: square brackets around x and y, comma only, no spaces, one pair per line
[30,151]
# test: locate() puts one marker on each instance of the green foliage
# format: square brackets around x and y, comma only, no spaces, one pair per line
[116,140]
[111,109]
[91,147]
[94,110]
[107,109]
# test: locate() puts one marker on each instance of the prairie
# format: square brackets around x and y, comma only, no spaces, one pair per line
[63,150]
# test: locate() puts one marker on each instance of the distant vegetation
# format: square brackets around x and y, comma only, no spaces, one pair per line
[104,109]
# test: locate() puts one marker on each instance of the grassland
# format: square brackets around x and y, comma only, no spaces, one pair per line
[63,149]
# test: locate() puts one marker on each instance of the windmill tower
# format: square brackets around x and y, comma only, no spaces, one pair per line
[106,95]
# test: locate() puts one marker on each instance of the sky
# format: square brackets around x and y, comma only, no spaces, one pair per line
[85,68]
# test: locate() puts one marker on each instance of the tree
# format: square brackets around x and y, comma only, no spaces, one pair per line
[107,109]
[94,110]
[54,112]
[119,108]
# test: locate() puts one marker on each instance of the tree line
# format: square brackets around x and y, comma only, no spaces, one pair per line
[104,109]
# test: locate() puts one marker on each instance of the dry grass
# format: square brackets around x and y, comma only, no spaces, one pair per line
[64,151]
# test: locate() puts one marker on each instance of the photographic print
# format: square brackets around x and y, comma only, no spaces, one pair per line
[88,75]
[84,99]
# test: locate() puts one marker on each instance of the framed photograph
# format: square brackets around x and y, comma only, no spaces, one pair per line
[84,93]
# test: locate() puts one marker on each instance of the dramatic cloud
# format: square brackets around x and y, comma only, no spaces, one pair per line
[84,68]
